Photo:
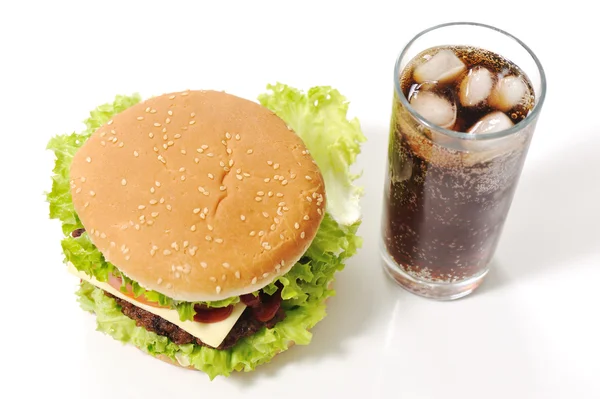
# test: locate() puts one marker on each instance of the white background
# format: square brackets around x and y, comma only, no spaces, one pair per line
[531,331]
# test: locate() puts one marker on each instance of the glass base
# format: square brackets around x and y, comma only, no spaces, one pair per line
[433,290]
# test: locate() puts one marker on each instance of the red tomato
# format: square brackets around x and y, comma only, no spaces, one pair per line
[116,282]
[250,300]
[211,315]
[268,307]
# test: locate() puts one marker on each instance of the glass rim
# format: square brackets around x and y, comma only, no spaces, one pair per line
[469,136]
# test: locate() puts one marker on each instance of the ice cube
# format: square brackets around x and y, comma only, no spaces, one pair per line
[492,123]
[508,92]
[476,87]
[443,67]
[434,108]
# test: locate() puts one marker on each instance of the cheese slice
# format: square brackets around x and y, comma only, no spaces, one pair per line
[210,333]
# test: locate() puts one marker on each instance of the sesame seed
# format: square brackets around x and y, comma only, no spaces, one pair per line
[279,195]
[229,151]
[242,217]
[270,163]
[258,199]
[239,177]
[306,217]
[206,193]
[254,280]
[208,238]
[228,136]
[213,279]
[192,251]
[123,182]
[154,214]
[182,177]
[276,166]
[92,193]
[78,190]
[211,176]
[103,134]
[201,189]
[127,257]
[185,93]
[265,214]
[155,149]
[112,131]
[192,114]
[183,152]
[102,235]
[261,233]
[165,146]
[196,160]
[86,204]
[218,289]
[308,199]
[210,155]
[270,193]
[237,137]
[185,244]
[159,281]
[151,135]
[170,112]
[260,193]
[319,211]
[314,195]
[110,122]
[141,206]
[296,226]
[177,136]
[97,233]
[88,159]
[252,233]
[150,222]
[137,226]
[292,175]
[193,228]
[177,275]
[209,227]
[283,183]
[226,265]
[222,188]
[224,143]
[140,118]
[273,227]
[103,143]
[250,151]
[121,144]
[169,286]
[170,143]
[203,264]
[276,177]
[196,210]
[157,183]
[276,220]
[307,177]
[157,124]
[265,275]
[223,277]
[231,162]
[152,111]
[192,122]
[168,120]
[268,179]
[162,200]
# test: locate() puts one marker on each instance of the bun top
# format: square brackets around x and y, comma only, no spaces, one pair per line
[199,195]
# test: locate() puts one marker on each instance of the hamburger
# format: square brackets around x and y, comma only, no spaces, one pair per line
[206,229]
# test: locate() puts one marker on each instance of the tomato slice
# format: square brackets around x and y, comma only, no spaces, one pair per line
[205,314]
[268,307]
[250,300]
[116,282]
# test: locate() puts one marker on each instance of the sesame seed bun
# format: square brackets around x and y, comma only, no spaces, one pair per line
[199,195]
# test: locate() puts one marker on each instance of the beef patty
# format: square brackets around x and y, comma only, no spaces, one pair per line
[245,326]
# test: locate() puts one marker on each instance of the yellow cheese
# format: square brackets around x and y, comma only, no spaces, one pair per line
[210,333]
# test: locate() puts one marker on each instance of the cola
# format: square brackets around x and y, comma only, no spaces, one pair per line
[458,139]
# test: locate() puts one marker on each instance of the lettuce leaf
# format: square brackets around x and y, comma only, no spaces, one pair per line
[319,117]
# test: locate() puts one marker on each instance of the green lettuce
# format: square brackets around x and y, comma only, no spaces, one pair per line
[319,117]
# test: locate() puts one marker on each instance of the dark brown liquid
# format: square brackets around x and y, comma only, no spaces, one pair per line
[445,206]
